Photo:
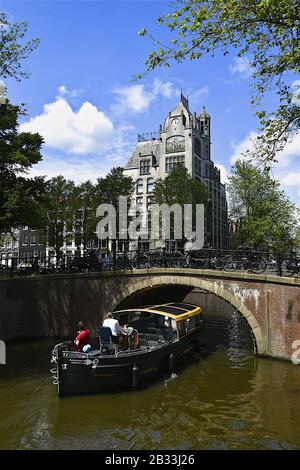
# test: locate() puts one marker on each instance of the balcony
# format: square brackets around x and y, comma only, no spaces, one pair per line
[146,136]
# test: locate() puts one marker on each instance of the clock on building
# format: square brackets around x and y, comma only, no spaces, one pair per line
[175,122]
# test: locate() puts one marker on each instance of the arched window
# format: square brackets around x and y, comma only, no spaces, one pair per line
[175,143]
[150,185]
[197,147]
[139,186]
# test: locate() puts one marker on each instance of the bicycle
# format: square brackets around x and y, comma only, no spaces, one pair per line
[252,261]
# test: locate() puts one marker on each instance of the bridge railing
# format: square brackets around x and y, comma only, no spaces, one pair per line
[247,260]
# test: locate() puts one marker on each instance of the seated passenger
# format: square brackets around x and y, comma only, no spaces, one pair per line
[114,326]
[83,336]
[129,338]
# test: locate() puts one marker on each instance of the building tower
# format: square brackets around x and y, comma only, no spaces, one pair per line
[183,139]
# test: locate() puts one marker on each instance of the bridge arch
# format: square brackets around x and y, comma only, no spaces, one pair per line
[209,286]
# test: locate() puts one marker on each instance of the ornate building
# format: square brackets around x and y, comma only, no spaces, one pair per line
[183,139]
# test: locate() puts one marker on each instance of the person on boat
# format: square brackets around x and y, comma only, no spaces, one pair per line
[83,336]
[114,326]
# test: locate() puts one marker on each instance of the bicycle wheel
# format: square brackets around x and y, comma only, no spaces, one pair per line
[258,266]
[229,264]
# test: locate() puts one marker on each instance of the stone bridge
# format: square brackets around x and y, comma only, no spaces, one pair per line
[52,305]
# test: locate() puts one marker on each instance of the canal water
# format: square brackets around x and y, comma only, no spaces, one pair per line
[225,399]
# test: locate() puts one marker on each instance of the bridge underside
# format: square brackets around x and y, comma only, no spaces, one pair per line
[52,305]
[170,288]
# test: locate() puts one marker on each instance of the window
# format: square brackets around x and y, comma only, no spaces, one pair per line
[139,203]
[149,203]
[197,147]
[175,143]
[150,185]
[171,162]
[198,166]
[139,186]
[25,238]
[145,166]
[69,239]
[32,238]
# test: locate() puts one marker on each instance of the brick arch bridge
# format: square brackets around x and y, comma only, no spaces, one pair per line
[52,305]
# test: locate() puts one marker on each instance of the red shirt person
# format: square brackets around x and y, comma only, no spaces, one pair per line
[83,336]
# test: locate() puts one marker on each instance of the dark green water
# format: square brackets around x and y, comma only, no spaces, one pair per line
[228,399]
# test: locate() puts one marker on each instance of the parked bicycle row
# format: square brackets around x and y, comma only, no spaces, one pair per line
[227,260]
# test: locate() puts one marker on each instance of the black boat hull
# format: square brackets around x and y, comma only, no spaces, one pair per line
[81,374]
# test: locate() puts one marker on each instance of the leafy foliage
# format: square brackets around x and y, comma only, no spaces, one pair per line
[109,189]
[179,188]
[261,213]
[84,203]
[59,212]
[265,31]
[20,196]
[13,48]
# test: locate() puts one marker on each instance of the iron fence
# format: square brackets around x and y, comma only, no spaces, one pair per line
[247,260]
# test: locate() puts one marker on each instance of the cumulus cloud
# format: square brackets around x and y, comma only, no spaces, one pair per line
[137,98]
[241,67]
[166,89]
[83,131]
[78,170]
[296,92]
[239,148]
[286,170]
[63,91]
[224,172]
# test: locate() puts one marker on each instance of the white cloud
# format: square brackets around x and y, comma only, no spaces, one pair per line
[241,67]
[137,98]
[78,132]
[296,93]
[63,91]
[286,170]
[78,170]
[132,98]
[224,172]
[241,147]
[165,89]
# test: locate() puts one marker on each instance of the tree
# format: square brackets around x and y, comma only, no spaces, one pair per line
[84,203]
[179,188]
[13,48]
[109,189]
[265,32]
[263,216]
[20,197]
[59,213]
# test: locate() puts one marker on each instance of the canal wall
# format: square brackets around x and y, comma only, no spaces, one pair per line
[49,306]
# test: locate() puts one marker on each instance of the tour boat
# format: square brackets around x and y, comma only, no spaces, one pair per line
[160,338]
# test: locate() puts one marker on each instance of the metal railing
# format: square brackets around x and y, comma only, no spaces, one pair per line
[246,260]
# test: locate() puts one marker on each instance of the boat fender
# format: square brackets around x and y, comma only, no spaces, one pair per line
[171,363]
[135,376]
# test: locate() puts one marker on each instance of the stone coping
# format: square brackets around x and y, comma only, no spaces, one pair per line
[203,273]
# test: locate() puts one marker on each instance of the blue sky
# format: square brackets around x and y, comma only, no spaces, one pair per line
[80,96]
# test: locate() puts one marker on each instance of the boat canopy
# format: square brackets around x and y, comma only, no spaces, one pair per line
[177,310]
